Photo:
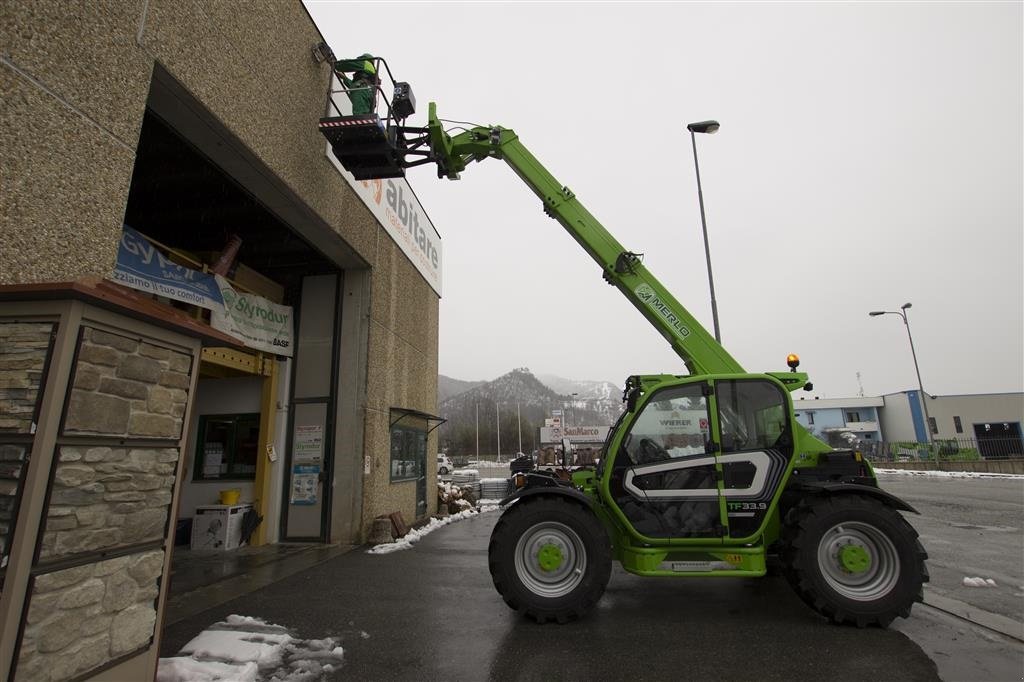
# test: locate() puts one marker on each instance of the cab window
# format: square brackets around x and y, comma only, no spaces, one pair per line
[673,424]
[753,415]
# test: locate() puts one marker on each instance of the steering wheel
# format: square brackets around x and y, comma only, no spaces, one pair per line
[649,451]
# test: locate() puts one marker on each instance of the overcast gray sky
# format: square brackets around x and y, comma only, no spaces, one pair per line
[869,155]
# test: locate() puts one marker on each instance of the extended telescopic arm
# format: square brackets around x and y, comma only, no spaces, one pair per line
[621,268]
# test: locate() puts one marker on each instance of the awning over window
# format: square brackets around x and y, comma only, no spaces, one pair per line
[403,412]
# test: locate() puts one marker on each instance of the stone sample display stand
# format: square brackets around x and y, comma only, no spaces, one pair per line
[96,386]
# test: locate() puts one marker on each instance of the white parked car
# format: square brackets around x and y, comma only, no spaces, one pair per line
[444,465]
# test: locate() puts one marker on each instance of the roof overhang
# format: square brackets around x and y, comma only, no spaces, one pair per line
[404,412]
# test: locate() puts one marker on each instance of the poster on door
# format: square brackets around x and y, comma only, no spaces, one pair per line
[308,445]
[304,483]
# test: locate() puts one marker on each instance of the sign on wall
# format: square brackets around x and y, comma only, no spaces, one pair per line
[395,206]
[576,434]
[253,320]
[140,265]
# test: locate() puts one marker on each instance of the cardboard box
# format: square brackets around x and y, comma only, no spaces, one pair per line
[218,526]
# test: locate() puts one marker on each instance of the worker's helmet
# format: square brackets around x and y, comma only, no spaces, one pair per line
[367,63]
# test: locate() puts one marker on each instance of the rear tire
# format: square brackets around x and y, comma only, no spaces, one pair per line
[853,559]
[550,559]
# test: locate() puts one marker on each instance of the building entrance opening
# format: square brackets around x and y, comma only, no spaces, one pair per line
[238,488]
[999,440]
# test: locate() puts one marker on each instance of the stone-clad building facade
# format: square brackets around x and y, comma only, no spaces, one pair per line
[164,113]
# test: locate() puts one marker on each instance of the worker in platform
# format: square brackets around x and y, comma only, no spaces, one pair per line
[362,86]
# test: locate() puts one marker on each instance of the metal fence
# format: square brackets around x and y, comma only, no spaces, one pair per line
[943,449]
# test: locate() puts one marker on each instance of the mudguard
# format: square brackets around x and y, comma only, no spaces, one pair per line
[561,490]
[836,487]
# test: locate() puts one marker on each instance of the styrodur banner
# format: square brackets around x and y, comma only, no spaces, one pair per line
[253,320]
[142,266]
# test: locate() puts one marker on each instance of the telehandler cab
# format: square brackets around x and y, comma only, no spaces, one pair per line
[703,474]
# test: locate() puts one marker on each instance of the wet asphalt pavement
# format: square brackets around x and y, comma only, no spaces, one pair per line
[431,613]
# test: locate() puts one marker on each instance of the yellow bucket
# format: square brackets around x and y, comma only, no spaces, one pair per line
[230,497]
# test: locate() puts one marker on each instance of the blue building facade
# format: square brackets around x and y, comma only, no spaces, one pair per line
[841,421]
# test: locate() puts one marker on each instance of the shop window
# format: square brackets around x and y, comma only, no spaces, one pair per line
[958,425]
[226,447]
[408,452]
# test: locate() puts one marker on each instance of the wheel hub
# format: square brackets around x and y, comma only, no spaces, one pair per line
[550,557]
[854,558]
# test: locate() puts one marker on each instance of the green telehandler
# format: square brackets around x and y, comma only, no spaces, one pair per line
[704,474]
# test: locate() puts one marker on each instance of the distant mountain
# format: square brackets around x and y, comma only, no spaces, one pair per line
[589,390]
[448,387]
[521,403]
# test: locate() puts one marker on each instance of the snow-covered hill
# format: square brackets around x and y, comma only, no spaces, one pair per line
[520,402]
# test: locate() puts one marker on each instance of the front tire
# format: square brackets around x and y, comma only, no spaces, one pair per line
[550,559]
[854,559]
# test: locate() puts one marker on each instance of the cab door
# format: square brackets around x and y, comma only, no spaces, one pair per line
[664,478]
[755,423]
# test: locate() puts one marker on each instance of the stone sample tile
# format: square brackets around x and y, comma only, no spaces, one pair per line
[108,497]
[126,387]
[82,617]
[24,347]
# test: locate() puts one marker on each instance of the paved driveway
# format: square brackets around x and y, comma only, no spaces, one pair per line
[431,613]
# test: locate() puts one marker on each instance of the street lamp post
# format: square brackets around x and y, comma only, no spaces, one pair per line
[707,127]
[902,312]
[519,422]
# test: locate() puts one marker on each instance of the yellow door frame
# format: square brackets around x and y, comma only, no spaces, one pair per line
[259,364]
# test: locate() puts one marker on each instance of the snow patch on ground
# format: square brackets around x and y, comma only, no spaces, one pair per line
[979,582]
[414,535]
[246,649]
[946,474]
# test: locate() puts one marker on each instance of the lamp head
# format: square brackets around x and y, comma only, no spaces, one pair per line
[904,306]
[876,313]
[708,127]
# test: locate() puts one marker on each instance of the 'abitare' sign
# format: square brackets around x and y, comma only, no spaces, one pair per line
[395,206]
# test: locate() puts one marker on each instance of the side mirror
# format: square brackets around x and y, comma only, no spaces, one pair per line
[631,393]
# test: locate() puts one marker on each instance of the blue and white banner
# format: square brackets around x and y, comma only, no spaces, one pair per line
[142,266]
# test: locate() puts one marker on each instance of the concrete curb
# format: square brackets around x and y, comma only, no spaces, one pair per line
[992,621]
